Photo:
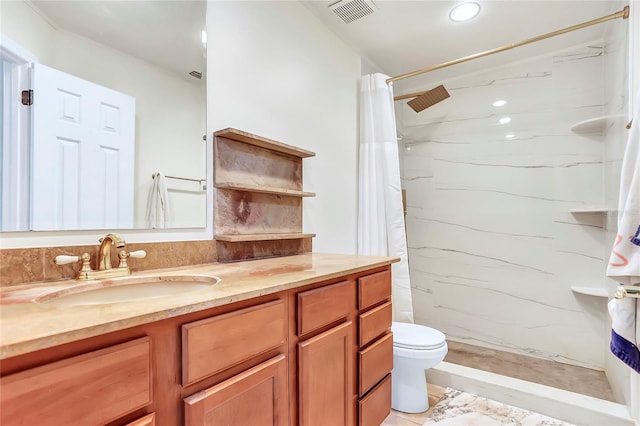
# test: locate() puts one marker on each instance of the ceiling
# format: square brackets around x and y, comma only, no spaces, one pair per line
[401,36]
[166,33]
[404,36]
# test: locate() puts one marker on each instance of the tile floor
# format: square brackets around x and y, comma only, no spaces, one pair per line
[550,373]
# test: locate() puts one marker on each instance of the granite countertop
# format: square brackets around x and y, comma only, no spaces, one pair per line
[27,326]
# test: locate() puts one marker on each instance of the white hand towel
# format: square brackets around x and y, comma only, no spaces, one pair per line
[157,215]
[624,262]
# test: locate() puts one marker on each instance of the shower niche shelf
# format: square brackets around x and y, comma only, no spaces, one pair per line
[582,210]
[594,125]
[590,291]
[258,197]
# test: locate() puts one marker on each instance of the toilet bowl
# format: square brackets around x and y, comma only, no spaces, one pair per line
[415,349]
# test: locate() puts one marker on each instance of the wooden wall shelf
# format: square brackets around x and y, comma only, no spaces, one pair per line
[235,238]
[259,141]
[258,197]
[264,189]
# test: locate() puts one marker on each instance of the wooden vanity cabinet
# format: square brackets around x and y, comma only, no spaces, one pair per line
[314,355]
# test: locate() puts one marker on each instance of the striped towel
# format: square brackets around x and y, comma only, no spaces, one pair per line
[624,262]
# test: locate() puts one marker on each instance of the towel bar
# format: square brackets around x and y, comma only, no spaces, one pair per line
[627,291]
[153,176]
[202,182]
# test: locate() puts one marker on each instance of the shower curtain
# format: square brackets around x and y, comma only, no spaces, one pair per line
[381,228]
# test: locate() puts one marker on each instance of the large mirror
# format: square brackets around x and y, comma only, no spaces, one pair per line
[114,137]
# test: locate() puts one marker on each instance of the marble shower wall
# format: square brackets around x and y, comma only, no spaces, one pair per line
[493,246]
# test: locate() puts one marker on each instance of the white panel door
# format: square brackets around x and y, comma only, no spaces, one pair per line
[82,154]
[15,147]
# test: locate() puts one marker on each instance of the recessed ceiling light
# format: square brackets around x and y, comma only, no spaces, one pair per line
[204,37]
[499,103]
[464,11]
[509,136]
[505,120]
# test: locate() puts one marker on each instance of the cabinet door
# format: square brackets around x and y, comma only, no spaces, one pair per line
[255,397]
[148,420]
[325,371]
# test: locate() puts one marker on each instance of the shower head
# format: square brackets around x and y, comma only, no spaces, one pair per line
[428,98]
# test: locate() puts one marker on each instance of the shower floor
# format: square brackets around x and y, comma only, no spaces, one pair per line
[550,373]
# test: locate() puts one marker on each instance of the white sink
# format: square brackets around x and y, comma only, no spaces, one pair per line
[127,289]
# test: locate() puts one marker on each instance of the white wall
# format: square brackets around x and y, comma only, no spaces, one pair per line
[170,109]
[274,70]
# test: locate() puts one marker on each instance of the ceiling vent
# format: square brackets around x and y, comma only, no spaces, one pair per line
[351,10]
[196,74]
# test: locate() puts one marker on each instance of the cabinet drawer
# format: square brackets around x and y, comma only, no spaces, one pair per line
[376,406]
[324,305]
[373,289]
[93,388]
[374,323]
[214,344]
[375,362]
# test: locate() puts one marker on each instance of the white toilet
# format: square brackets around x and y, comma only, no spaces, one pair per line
[415,349]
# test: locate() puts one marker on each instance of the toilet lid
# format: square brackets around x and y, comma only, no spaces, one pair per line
[414,336]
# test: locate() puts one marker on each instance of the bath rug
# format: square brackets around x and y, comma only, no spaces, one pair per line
[462,408]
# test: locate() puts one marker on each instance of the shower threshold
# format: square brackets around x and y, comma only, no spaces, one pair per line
[571,407]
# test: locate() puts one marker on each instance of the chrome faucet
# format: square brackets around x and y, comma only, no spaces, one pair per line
[104,253]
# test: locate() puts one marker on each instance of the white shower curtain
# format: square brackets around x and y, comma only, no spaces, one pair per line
[381,228]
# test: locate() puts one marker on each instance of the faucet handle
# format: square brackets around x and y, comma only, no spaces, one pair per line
[64,259]
[138,254]
[123,255]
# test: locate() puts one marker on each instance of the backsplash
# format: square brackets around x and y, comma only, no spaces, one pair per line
[31,265]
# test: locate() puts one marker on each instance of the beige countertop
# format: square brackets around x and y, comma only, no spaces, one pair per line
[27,326]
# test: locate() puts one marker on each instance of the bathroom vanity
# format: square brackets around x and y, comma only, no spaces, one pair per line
[300,339]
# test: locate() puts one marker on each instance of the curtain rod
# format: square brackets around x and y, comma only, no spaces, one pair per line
[624,14]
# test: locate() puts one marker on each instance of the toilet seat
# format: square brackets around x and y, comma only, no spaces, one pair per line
[416,337]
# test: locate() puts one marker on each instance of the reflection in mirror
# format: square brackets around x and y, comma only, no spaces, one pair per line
[113,135]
